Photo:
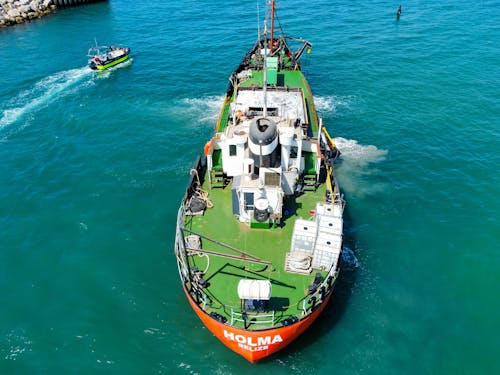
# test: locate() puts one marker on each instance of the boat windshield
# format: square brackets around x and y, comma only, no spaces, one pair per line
[98,50]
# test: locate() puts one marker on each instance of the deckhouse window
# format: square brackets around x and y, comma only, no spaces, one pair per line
[232,150]
[248,198]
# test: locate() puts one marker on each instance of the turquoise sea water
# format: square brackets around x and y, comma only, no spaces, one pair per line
[93,167]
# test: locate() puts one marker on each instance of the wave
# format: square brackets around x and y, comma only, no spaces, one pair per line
[332,103]
[356,167]
[349,260]
[204,110]
[41,94]
[359,154]
[16,343]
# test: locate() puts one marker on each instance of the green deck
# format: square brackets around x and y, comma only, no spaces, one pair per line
[288,290]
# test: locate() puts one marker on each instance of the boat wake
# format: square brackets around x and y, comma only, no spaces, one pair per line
[41,94]
[204,110]
[356,160]
[355,153]
[331,104]
[349,260]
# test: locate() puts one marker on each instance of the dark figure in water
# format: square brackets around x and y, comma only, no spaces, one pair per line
[399,12]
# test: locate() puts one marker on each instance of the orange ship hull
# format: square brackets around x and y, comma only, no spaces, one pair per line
[255,345]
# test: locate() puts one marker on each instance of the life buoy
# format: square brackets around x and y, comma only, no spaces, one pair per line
[207,147]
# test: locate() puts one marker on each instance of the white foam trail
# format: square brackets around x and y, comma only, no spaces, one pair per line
[357,165]
[330,104]
[324,104]
[15,343]
[350,262]
[42,93]
[204,110]
[362,155]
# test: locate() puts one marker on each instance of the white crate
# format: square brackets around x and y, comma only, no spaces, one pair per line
[304,236]
[330,224]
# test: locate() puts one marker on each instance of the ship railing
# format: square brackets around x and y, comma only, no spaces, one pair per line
[181,252]
[206,300]
[184,271]
[219,119]
[314,299]
[180,246]
[252,318]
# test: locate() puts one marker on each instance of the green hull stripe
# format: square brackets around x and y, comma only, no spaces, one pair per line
[120,60]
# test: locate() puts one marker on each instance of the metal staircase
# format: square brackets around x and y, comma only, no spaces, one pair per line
[217,178]
[310,183]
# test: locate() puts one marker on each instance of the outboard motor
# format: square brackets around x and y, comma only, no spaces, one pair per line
[263,142]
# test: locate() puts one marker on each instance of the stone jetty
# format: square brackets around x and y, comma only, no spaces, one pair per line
[18,11]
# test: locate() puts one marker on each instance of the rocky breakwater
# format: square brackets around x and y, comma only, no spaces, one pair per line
[19,11]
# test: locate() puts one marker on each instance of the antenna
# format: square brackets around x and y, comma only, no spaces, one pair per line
[264,83]
[272,29]
[258,21]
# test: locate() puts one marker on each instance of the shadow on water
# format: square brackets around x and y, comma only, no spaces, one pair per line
[339,301]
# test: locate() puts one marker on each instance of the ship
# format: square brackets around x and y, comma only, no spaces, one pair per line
[258,240]
[104,57]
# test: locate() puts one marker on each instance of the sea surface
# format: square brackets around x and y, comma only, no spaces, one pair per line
[93,167]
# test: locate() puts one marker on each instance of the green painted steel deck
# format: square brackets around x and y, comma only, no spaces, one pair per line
[288,290]
[269,243]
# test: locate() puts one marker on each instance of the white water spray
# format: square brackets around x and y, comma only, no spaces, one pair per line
[41,94]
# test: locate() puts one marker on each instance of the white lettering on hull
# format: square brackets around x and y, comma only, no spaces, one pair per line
[248,343]
[253,348]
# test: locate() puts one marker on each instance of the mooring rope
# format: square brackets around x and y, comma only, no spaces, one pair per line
[199,192]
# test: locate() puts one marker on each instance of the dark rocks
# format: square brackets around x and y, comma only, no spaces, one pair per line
[18,11]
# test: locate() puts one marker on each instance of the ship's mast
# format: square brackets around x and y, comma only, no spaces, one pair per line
[266,54]
[264,83]
[258,22]
[272,29]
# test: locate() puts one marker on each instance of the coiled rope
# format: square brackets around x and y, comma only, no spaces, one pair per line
[299,263]
[199,192]
[193,243]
